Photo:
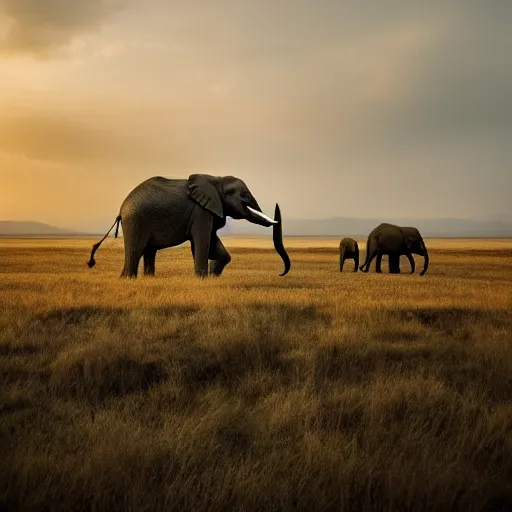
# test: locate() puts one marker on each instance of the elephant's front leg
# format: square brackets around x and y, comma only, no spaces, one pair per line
[219,255]
[342,261]
[356,261]
[411,261]
[201,233]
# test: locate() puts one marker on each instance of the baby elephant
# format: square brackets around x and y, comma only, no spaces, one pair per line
[349,250]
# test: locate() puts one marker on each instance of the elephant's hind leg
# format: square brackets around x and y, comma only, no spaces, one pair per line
[356,261]
[131,264]
[371,252]
[219,255]
[369,259]
[132,255]
[149,261]
[378,263]
[134,244]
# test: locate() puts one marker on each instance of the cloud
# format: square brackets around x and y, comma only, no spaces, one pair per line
[403,103]
[44,136]
[104,139]
[40,27]
[463,83]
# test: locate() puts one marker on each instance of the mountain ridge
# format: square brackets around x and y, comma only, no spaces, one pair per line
[347,226]
[31,228]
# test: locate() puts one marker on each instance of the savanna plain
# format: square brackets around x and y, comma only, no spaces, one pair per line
[319,390]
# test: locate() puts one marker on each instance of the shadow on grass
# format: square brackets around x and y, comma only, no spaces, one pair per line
[9,349]
[263,346]
[277,286]
[450,344]
[404,325]
[73,317]
[95,377]
[228,363]
[77,316]
[111,315]
[290,317]
[194,355]
[450,319]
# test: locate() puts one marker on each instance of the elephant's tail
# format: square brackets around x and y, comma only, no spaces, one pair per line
[95,247]
[361,268]
[371,248]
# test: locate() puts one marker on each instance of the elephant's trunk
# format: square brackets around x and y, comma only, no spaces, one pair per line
[426,263]
[278,241]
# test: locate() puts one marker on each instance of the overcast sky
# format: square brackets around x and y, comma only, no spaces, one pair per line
[331,108]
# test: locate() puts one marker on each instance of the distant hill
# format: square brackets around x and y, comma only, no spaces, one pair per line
[496,226]
[341,226]
[31,228]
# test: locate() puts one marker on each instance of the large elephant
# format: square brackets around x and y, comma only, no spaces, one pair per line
[349,250]
[161,213]
[394,241]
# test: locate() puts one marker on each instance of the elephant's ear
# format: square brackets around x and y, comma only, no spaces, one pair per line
[203,191]
[409,241]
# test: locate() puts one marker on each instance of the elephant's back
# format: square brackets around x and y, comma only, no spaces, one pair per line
[155,193]
[382,227]
[349,244]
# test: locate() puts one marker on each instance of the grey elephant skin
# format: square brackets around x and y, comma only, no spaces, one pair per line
[394,241]
[161,213]
[349,250]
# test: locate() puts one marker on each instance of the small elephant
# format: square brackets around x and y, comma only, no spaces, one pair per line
[394,241]
[161,213]
[349,250]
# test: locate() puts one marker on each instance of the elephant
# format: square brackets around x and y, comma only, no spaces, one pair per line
[349,250]
[394,241]
[162,212]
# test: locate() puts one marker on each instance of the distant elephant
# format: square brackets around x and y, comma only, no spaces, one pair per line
[349,250]
[161,213]
[394,241]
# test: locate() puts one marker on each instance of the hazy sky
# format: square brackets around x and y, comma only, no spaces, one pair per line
[332,108]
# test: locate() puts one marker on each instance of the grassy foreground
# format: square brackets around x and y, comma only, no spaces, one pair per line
[316,391]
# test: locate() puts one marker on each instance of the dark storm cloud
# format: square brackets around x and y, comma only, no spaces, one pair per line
[463,84]
[353,77]
[40,26]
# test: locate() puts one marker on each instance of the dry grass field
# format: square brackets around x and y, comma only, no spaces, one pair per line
[315,391]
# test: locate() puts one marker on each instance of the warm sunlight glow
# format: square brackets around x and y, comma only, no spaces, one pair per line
[340,103]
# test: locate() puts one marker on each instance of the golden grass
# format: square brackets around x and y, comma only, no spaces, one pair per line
[316,391]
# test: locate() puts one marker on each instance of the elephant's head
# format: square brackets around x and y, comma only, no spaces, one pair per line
[241,204]
[415,244]
[228,196]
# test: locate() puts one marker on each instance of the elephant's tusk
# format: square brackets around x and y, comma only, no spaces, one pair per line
[262,215]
